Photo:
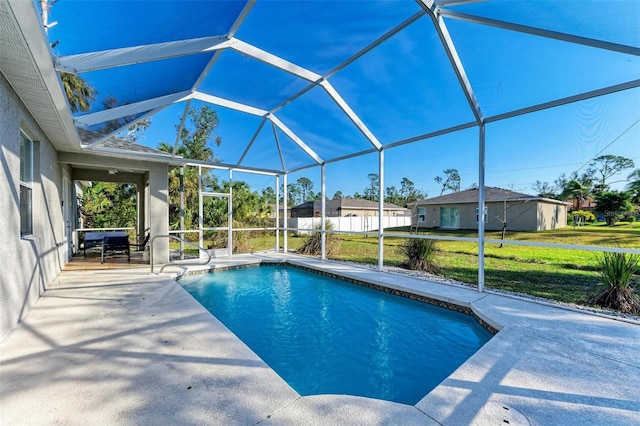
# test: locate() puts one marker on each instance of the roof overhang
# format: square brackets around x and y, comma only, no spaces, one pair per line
[25,61]
[475,202]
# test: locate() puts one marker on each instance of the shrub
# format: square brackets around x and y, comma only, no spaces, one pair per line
[615,289]
[313,243]
[421,254]
[582,216]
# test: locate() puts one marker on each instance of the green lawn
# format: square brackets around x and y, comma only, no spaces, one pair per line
[554,273]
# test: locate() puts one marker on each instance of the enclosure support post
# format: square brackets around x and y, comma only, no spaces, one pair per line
[456,63]
[323,215]
[230,215]
[481,171]
[200,209]
[277,213]
[284,205]
[380,209]
[182,212]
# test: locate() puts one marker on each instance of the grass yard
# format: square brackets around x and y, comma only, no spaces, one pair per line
[564,275]
[559,274]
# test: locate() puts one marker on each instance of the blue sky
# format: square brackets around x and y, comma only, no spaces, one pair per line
[403,88]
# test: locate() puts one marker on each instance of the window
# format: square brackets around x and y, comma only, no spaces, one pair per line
[450,217]
[422,214]
[484,214]
[26,185]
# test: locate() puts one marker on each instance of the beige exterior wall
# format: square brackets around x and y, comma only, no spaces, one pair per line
[551,216]
[344,212]
[521,216]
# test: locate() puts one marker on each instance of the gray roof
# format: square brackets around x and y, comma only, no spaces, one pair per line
[491,195]
[88,137]
[350,203]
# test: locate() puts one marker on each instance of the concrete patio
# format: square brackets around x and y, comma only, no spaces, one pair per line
[121,346]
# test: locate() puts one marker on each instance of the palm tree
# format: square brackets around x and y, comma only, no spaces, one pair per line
[634,185]
[576,191]
[79,92]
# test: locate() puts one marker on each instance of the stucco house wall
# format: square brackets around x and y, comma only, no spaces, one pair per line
[31,263]
[551,216]
[347,211]
[346,208]
[521,216]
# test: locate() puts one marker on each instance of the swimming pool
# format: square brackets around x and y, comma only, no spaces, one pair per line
[326,336]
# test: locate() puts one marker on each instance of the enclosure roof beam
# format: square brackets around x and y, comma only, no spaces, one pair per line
[183,119]
[243,15]
[130,109]
[93,61]
[563,101]
[234,28]
[273,60]
[275,137]
[310,152]
[253,139]
[115,132]
[456,63]
[229,104]
[616,47]
[344,106]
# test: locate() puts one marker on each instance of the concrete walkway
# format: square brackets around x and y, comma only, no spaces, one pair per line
[123,347]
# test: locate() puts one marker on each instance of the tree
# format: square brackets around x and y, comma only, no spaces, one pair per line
[634,186]
[108,205]
[392,195]
[472,186]
[337,195]
[372,191]
[613,204]
[503,219]
[301,191]
[194,143]
[577,191]
[545,189]
[268,195]
[132,132]
[409,193]
[305,189]
[450,182]
[79,93]
[607,166]
[293,194]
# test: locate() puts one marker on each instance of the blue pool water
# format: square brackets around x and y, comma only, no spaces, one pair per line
[327,336]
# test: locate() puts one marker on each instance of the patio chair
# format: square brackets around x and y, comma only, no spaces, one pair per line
[141,247]
[116,245]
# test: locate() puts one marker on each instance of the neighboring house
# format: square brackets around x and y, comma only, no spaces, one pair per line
[344,207]
[459,211]
[281,214]
[587,205]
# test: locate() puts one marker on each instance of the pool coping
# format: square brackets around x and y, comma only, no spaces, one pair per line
[508,327]
[549,364]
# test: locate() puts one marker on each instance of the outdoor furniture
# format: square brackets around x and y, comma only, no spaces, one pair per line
[94,239]
[116,245]
[141,247]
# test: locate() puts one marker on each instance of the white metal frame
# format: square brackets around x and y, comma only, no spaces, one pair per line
[437,11]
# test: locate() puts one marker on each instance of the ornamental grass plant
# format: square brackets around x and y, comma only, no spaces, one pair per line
[312,245]
[420,255]
[616,290]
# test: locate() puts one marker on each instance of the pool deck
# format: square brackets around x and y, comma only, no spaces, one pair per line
[122,346]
